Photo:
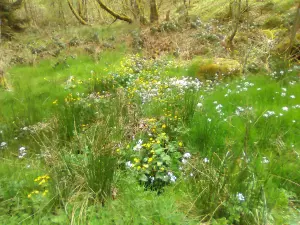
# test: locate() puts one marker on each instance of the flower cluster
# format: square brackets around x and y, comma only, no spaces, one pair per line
[42,189]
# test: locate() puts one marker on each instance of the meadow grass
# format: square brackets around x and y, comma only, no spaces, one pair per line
[126,140]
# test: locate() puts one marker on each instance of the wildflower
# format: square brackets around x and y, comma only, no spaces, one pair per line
[292,96]
[45,192]
[145,165]
[265,160]
[42,182]
[55,102]
[199,105]
[138,146]
[283,94]
[206,160]
[209,119]
[151,179]
[172,177]
[285,108]
[3,144]
[187,155]
[136,160]
[22,152]
[219,106]
[240,197]
[164,126]
[150,160]
[269,113]
[180,144]
[128,164]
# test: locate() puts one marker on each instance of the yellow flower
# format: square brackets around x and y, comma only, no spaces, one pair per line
[136,160]
[145,165]
[45,192]
[139,167]
[162,168]
[180,144]
[164,126]
[150,160]
[158,141]
[42,182]
[55,102]
[29,196]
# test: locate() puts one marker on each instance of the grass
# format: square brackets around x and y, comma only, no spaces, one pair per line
[127,140]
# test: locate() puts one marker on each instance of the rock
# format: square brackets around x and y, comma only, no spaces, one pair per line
[216,69]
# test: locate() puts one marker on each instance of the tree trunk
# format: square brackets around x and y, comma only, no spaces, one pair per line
[153,11]
[295,29]
[78,17]
[237,17]
[114,14]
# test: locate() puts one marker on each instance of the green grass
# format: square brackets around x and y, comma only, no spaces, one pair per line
[85,144]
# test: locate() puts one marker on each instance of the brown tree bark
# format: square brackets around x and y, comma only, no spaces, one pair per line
[78,17]
[295,29]
[114,14]
[153,11]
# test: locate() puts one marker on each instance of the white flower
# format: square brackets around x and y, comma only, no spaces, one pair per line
[187,155]
[206,160]
[191,174]
[283,89]
[258,89]
[151,179]
[138,146]
[22,149]
[184,161]
[240,197]
[172,177]
[283,94]
[294,121]
[128,164]
[265,160]
[215,102]
[199,105]
[292,96]
[269,113]
[209,119]
[285,108]
[219,106]
[3,144]
[22,152]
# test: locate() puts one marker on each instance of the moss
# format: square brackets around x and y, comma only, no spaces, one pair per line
[285,44]
[207,69]
[273,22]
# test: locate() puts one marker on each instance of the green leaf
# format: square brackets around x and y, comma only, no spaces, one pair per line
[159,163]
[166,158]
[143,178]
